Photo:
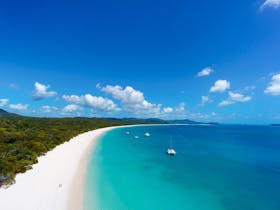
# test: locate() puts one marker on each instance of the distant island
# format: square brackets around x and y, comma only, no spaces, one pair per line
[275,124]
[185,121]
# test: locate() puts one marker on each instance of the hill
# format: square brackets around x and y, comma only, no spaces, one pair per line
[184,121]
[7,114]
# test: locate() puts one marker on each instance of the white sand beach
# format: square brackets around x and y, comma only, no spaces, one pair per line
[56,181]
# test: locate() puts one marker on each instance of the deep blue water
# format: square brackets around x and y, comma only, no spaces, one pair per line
[216,168]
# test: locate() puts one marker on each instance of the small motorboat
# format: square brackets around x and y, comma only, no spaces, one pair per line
[147,134]
[136,137]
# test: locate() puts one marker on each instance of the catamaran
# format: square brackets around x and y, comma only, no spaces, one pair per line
[170,150]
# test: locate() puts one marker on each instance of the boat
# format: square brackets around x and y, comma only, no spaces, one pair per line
[136,137]
[127,132]
[147,134]
[171,151]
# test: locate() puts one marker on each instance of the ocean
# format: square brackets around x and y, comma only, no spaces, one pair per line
[217,167]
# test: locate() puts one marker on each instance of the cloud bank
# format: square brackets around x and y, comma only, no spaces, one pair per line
[132,100]
[235,98]
[93,102]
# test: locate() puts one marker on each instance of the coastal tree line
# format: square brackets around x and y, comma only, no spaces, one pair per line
[24,139]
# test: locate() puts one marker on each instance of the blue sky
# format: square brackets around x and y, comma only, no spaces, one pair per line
[203,60]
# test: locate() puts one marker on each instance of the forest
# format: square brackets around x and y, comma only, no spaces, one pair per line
[24,139]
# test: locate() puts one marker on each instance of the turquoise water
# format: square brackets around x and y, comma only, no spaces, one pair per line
[216,168]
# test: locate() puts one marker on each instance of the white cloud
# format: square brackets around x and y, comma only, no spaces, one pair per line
[93,102]
[180,108]
[225,103]
[220,86]
[3,102]
[204,100]
[132,100]
[270,3]
[198,116]
[74,99]
[235,98]
[71,108]
[177,112]
[274,86]
[168,110]
[48,109]
[19,107]
[205,72]
[41,91]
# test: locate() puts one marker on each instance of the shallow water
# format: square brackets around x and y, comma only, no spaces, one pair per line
[216,168]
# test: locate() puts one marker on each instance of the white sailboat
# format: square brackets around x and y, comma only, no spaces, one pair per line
[170,150]
[147,134]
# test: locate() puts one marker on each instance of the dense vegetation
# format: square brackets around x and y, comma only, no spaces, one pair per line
[23,139]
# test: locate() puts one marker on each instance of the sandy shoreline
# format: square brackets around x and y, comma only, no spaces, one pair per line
[56,181]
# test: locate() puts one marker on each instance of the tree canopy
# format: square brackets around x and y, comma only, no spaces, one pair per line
[24,139]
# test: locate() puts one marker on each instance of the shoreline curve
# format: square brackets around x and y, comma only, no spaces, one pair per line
[56,182]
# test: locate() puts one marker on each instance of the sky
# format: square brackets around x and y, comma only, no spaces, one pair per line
[171,59]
